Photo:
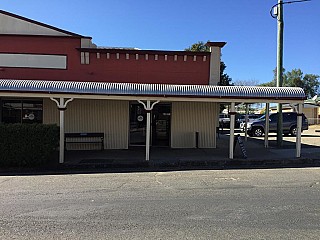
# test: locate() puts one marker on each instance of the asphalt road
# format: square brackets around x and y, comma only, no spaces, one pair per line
[227,204]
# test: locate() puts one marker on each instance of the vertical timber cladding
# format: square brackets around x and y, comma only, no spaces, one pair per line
[190,117]
[83,115]
[311,114]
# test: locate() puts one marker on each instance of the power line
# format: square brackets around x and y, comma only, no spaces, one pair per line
[282,3]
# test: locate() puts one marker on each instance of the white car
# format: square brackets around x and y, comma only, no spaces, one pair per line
[224,120]
[251,118]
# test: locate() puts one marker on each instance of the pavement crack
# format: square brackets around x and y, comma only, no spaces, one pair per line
[6,180]
[121,185]
[156,179]
[205,183]
[168,186]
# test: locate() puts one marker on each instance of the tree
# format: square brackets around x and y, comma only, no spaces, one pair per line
[273,83]
[311,85]
[251,82]
[200,46]
[225,80]
[309,82]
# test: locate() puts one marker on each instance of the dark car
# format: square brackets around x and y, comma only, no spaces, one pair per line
[289,124]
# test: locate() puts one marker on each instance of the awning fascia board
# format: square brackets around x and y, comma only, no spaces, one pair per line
[145,98]
[167,92]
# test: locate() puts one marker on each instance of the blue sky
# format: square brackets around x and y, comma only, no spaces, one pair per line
[246,26]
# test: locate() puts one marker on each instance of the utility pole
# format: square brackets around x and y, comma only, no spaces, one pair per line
[277,12]
[280,69]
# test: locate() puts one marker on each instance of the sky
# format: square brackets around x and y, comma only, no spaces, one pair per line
[246,26]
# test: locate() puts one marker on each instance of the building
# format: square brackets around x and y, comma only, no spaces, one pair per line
[311,110]
[134,97]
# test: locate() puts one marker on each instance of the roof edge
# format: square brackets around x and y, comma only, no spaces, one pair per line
[40,24]
[216,44]
[142,51]
[165,90]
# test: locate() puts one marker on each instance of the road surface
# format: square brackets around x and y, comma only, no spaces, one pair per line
[224,204]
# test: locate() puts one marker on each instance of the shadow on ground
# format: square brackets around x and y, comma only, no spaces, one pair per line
[167,159]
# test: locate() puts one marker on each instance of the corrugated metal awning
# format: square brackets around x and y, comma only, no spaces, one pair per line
[161,90]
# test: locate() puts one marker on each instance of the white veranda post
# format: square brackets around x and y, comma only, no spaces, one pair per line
[232,122]
[266,130]
[148,107]
[299,129]
[62,106]
[246,123]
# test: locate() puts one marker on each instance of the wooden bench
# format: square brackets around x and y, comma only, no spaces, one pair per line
[95,137]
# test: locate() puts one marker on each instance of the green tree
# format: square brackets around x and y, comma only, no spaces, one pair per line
[200,46]
[295,78]
[311,85]
[225,80]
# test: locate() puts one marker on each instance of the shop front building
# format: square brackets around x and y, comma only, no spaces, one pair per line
[134,97]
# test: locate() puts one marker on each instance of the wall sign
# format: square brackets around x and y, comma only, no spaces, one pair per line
[237,139]
[140,118]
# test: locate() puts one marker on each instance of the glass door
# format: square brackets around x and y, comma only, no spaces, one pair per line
[161,116]
[138,125]
[160,125]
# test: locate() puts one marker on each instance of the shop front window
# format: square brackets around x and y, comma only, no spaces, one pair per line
[22,111]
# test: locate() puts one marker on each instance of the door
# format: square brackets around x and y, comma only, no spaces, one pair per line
[160,125]
[138,125]
[161,121]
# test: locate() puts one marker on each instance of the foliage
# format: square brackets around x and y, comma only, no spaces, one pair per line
[26,145]
[225,80]
[198,47]
[251,82]
[295,78]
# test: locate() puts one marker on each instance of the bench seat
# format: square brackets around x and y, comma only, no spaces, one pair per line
[84,137]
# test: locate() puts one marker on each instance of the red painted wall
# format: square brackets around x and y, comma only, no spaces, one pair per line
[103,69]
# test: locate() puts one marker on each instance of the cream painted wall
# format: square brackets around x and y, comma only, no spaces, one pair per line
[110,117]
[310,113]
[215,65]
[190,117]
[11,25]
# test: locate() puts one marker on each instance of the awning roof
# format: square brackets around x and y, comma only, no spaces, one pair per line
[150,90]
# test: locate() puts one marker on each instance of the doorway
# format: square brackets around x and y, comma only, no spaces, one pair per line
[160,125]
[161,116]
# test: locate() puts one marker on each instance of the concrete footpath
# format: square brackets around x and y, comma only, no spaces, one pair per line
[161,158]
[166,159]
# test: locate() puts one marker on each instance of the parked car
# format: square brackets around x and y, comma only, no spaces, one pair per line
[257,127]
[251,118]
[224,120]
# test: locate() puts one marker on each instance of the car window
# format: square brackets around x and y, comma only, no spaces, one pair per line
[273,117]
[290,116]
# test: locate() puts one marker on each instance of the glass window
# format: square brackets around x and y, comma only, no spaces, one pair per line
[273,117]
[291,116]
[22,111]
[32,111]
[11,111]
